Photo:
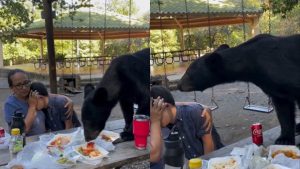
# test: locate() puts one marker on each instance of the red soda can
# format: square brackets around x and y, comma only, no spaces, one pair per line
[257,135]
[2,132]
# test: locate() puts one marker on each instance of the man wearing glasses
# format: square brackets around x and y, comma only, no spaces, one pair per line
[24,100]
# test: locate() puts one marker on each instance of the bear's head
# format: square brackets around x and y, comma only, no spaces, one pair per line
[204,72]
[95,111]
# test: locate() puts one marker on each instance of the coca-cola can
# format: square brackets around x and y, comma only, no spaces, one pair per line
[257,135]
[2,132]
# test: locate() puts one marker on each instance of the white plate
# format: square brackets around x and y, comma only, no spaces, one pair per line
[69,164]
[113,136]
[219,162]
[274,148]
[100,149]
[60,135]
[275,166]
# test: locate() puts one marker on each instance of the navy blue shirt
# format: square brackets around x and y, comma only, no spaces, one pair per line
[190,125]
[55,114]
[158,165]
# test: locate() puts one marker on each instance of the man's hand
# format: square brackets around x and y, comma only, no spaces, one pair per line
[207,125]
[69,105]
[32,100]
[157,106]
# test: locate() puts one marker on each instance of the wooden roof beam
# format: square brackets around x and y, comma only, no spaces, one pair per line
[178,23]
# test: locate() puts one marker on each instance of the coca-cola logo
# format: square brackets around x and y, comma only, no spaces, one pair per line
[256,132]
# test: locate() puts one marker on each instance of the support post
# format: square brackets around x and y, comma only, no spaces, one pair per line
[50,44]
[42,48]
[1,55]
[254,27]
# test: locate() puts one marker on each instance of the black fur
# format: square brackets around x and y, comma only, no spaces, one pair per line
[88,88]
[127,81]
[272,63]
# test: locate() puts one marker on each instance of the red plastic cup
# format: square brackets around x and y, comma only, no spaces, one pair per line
[141,127]
[2,132]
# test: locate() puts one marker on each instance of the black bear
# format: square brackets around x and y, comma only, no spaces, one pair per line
[272,63]
[127,81]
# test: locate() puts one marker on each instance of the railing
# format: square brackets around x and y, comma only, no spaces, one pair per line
[160,58]
[16,61]
[74,62]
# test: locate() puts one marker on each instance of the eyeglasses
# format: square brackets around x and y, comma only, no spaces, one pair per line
[25,84]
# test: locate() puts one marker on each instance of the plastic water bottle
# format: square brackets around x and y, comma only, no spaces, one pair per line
[16,142]
[18,122]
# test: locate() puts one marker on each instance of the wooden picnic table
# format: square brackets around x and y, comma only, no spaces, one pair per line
[269,138]
[124,152]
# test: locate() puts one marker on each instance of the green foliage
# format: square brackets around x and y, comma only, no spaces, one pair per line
[278,24]
[14,18]
[279,6]
[122,7]
[170,40]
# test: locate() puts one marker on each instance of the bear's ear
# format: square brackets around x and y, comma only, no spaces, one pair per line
[100,95]
[88,88]
[222,47]
[214,62]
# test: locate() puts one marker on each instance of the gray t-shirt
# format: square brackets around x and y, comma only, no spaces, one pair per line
[12,104]
[55,114]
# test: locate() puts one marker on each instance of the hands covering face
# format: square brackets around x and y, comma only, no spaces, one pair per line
[157,107]
[33,99]
[208,123]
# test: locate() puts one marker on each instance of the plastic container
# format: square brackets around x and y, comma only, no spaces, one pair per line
[16,141]
[18,122]
[195,163]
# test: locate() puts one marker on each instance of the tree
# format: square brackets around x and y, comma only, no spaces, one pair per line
[14,18]
[279,6]
[122,7]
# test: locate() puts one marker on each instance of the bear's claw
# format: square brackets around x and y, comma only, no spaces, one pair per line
[284,141]
[126,136]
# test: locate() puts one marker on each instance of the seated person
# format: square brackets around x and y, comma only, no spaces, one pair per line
[157,107]
[53,107]
[197,131]
[19,84]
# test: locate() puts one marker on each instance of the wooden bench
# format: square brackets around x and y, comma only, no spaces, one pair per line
[124,153]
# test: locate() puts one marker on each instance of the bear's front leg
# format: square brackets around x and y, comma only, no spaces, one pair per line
[285,110]
[127,109]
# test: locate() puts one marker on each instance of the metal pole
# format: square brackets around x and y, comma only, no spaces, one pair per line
[50,44]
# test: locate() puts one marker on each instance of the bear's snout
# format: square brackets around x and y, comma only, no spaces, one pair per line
[184,84]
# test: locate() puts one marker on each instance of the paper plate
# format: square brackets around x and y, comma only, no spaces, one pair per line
[108,136]
[285,149]
[229,162]
[103,152]
[60,143]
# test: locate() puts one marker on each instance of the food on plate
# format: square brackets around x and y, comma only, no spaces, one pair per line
[287,153]
[64,160]
[228,164]
[55,151]
[60,141]
[90,150]
[106,138]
